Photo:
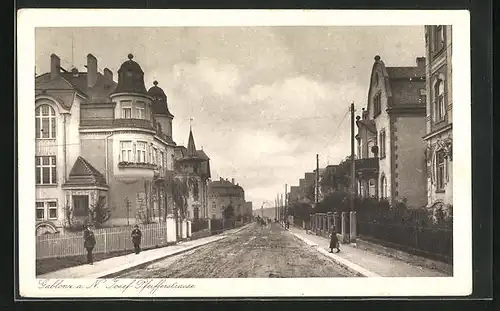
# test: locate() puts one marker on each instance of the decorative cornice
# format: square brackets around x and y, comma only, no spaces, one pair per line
[441,130]
[415,109]
[132,94]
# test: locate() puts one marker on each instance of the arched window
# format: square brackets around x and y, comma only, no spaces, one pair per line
[439,104]
[383,188]
[45,122]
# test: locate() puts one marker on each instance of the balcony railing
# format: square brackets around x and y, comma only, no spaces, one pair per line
[110,123]
[367,164]
[125,164]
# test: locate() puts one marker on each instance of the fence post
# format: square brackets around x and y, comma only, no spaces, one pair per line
[353,228]
[336,221]
[105,242]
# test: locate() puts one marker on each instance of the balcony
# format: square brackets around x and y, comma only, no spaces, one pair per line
[125,164]
[367,167]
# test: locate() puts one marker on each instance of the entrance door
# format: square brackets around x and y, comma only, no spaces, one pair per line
[80,205]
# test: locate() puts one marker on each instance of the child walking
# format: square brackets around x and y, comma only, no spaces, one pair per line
[334,241]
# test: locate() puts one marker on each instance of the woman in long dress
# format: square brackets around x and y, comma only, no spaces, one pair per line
[334,241]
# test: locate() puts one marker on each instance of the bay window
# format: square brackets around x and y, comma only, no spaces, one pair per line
[126,109]
[126,151]
[141,152]
[45,170]
[45,122]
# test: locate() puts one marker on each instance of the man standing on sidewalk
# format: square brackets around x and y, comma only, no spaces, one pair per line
[89,243]
[136,239]
[334,241]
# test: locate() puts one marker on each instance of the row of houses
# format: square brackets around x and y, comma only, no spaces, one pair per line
[404,134]
[103,145]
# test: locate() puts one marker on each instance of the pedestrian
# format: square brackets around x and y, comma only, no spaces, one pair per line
[136,239]
[89,243]
[334,241]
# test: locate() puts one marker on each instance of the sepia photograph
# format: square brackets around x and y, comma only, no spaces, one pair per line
[279,151]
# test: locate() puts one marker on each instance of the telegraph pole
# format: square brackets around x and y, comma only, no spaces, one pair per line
[353,161]
[286,203]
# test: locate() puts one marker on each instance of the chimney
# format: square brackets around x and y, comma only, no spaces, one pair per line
[421,62]
[108,74]
[232,181]
[55,66]
[91,70]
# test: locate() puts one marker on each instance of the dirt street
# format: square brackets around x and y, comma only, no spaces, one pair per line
[255,252]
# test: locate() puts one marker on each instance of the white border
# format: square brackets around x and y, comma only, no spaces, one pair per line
[459,284]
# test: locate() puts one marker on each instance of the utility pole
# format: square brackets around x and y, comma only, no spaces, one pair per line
[353,161]
[316,190]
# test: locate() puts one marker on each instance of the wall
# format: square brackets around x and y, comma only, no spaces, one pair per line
[409,154]
[405,92]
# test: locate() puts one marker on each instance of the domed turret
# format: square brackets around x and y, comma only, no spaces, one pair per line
[159,104]
[130,78]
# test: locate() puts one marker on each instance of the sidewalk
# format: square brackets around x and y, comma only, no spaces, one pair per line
[364,262]
[111,266]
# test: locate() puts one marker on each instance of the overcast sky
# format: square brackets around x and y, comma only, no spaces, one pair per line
[264,100]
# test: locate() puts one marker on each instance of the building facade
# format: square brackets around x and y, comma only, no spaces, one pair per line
[439,120]
[223,194]
[192,167]
[390,149]
[102,147]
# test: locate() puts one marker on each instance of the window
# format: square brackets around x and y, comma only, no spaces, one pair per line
[139,110]
[126,151]
[371,188]
[45,170]
[377,105]
[439,104]
[45,122]
[80,205]
[214,207]
[422,96]
[162,159]
[439,38]
[383,187]
[382,144]
[126,109]
[141,152]
[46,210]
[155,156]
[440,170]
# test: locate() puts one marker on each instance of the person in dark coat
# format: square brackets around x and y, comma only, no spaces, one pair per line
[334,241]
[89,244]
[136,239]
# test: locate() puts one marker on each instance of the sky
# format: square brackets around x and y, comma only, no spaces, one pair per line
[264,100]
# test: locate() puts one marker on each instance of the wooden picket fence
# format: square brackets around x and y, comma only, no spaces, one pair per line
[107,240]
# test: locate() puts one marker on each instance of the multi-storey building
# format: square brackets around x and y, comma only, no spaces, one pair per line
[100,144]
[439,134]
[193,168]
[223,194]
[390,147]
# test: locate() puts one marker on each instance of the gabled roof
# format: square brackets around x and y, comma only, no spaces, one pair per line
[84,174]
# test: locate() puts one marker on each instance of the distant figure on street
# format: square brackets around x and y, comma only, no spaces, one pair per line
[287,224]
[136,239]
[334,241]
[89,243]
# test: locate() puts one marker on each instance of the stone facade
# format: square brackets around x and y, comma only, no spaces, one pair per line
[439,115]
[390,148]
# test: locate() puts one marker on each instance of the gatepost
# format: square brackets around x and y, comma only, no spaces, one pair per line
[329,221]
[353,228]
[345,238]
[336,221]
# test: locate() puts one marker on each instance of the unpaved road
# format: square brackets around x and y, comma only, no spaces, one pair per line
[255,252]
